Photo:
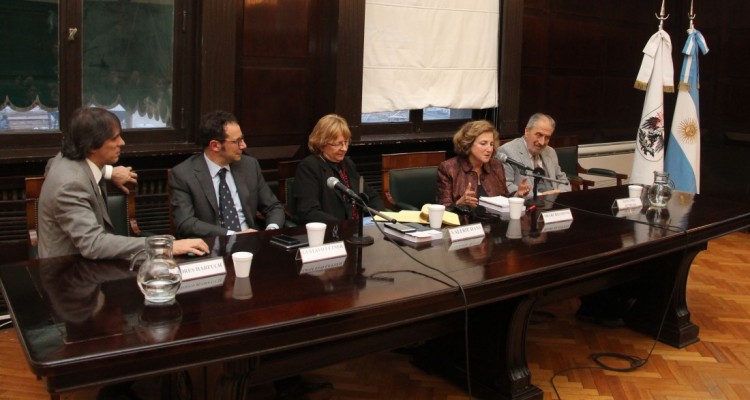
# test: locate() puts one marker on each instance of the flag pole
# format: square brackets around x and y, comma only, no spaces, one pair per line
[691,16]
[661,16]
[656,76]
[683,153]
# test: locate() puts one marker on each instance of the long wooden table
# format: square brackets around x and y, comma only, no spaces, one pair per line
[83,322]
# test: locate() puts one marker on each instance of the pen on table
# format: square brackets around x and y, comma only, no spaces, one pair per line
[531,208]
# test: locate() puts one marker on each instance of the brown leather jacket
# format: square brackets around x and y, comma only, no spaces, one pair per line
[455,174]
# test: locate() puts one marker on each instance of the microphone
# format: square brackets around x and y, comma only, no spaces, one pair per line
[504,158]
[335,184]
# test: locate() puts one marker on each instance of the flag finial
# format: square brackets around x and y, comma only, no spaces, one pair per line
[691,16]
[661,17]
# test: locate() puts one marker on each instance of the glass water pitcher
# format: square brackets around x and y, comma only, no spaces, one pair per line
[661,191]
[159,275]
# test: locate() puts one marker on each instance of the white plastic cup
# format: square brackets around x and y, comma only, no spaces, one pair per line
[635,191]
[514,229]
[516,207]
[436,212]
[242,290]
[242,261]
[316,233]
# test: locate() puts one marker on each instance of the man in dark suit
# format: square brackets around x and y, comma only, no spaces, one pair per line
[196,184]
[73,216]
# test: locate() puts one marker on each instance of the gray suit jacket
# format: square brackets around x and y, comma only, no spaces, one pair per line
[73,216]
[194,206]
[517,150]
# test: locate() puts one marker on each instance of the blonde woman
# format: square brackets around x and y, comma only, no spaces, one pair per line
[314,201]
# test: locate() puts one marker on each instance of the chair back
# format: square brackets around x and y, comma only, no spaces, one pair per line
[411,188]
[118,209]
[567,157]
[285,191]
[172,227]
[121,209]
[33,190]
[406,160]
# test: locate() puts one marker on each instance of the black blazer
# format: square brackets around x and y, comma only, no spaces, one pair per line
[315,202]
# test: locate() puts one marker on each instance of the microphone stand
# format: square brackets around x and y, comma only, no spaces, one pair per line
[360,239]
[534,230]
[538,175]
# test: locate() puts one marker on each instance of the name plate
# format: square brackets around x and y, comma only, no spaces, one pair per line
[557,226]
[201,283]
[557,216]
[329,250]
[316,267]
[628,212]
[466,232]
[200,268]
[465,243]
[627,203]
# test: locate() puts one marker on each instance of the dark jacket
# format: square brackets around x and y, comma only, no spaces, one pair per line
[194,205]
[315,202]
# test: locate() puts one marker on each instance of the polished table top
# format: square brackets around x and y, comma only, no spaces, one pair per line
[75,314]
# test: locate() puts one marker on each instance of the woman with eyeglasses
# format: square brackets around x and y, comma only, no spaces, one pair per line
[314,201]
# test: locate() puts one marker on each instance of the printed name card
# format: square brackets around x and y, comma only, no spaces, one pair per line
[328,250]
[557,216]
[557,226]
[466,232]
[315,267]
[627,203]
[465,243]
[628,212]
[201,283]
[199,269]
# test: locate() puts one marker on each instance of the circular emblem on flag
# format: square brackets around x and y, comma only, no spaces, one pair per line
[689,130]
[651,137]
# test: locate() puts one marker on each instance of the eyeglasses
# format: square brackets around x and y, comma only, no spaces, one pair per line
[339,145]
[236,141]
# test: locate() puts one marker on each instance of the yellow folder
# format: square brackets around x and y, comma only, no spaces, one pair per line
[449,218]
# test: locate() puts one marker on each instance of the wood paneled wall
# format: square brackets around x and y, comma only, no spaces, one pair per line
[281,64]
[580,60]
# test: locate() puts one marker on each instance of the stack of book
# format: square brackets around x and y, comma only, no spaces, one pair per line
[412,232]
[495,203]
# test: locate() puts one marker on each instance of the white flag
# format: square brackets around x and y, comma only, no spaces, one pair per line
[683,160]
[656,76]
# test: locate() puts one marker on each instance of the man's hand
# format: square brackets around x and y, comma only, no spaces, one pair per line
[122,176]
[248,230]
[523,188]
[194,246]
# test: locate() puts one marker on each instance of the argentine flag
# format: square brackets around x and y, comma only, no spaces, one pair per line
[683,158]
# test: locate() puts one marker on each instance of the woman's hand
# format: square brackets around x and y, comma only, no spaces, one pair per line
[469,198]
